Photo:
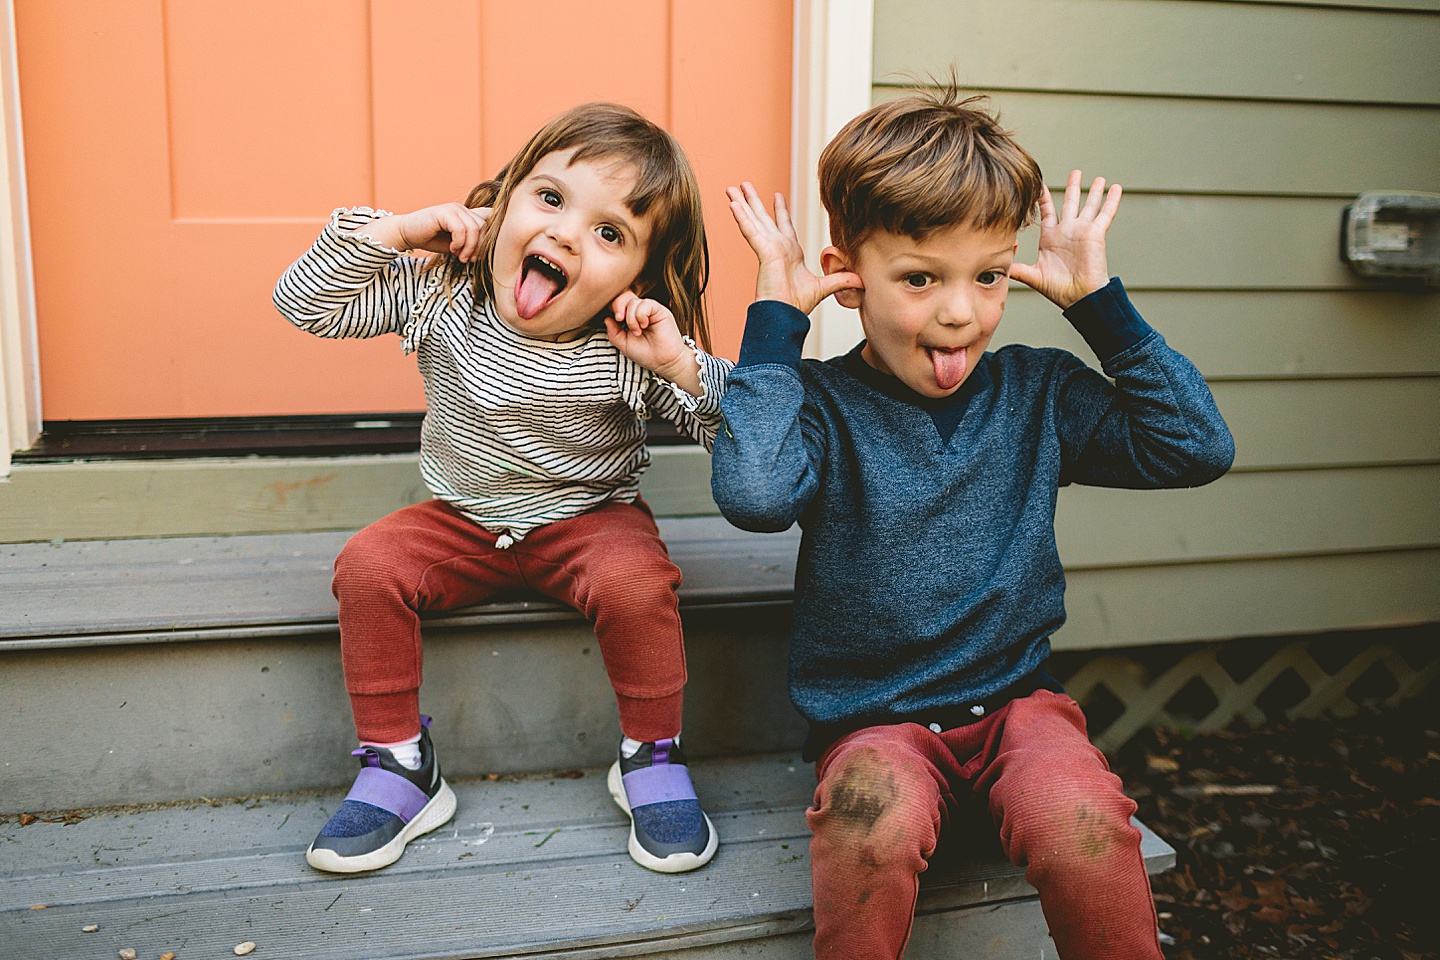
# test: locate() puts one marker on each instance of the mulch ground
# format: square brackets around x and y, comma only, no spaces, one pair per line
[1299,840]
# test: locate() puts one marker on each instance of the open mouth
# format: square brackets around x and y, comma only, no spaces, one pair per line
[540,283]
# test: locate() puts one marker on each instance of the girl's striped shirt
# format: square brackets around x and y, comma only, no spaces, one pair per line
[518,432]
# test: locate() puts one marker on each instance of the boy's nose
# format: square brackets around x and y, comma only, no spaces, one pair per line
[957,310]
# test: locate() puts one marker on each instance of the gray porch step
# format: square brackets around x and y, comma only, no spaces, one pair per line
[169,589]
[170,668]
[530,868]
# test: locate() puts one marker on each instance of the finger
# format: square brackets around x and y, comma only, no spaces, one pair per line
[757,206]
[1093,198]
[1071,206]
[1026,274]
[1047,209]
[621,304]
[1112,207]
[783,219]
[833,283]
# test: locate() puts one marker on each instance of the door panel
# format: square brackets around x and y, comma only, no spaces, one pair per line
[181,153]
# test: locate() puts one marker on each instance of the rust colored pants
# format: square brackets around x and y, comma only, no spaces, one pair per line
[610,564]
[886,793]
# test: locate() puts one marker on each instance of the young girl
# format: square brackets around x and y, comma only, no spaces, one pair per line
[547,332]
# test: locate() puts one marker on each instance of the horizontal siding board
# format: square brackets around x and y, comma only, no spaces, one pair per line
[1265,333]
[1250,598]
[1240,50]
[205,497]
[1237,243]
[1318,423]
[1260,514]
[1169,144]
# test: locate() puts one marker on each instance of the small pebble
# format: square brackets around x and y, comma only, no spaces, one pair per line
[243,948]
[90,928]
[125,953]
[167,955]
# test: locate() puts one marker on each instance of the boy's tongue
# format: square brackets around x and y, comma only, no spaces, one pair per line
[535,290]
[949,367]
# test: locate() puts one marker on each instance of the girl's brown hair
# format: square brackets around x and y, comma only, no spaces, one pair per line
[677,265]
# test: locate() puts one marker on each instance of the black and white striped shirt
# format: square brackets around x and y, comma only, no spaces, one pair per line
[518,432]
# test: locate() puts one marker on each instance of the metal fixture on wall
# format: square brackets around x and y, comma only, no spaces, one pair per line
[1393,236]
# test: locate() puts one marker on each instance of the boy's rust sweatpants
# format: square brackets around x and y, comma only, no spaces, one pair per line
[887,792]
[610,564]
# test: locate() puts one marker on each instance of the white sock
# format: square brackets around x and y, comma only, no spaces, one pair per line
[406,752]
[628,747]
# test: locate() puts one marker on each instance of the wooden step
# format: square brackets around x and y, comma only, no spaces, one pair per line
[530,867]
[165,669]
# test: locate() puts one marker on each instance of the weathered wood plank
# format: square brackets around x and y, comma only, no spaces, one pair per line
[1182,145]
[1249,598]
[1264,334]
[1249,51]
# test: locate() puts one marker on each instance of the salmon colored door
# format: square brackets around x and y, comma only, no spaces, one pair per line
[181,153]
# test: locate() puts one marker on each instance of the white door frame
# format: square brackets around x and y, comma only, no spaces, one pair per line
[19,354]
[834,57]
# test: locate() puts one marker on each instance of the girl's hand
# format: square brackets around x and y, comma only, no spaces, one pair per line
[446,228]
[783,275]
[1071,261]
[646,332]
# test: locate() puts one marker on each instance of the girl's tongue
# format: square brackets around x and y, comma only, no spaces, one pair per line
[539,283]
[950,366]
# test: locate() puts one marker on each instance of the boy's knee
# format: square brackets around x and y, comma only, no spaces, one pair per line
[876,810]
[1076,827]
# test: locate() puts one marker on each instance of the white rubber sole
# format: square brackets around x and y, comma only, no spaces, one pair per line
[676,862]
[434,814]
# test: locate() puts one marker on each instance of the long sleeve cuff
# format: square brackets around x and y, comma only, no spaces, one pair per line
[1108,321]
[774,333]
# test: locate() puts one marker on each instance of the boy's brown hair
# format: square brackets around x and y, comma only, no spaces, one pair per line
[922,163]
[677,264]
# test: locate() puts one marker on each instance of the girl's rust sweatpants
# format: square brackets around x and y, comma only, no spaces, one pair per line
[886,793]
[610,564]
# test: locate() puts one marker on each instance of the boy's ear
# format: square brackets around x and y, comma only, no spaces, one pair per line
[834,261]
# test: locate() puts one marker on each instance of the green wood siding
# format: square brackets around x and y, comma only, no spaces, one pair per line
[1240,131]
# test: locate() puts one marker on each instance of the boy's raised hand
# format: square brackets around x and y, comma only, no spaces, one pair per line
[783,275]
[1071,260]
[645,331]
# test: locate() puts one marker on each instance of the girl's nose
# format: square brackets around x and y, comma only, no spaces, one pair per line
[563,231]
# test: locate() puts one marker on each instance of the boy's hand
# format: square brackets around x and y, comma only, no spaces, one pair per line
[1071,261]
[446,228]
[645,331]
[783,275]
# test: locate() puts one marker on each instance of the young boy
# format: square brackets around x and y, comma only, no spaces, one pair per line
[924,473]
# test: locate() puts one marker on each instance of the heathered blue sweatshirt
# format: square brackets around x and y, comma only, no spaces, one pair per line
[928,576]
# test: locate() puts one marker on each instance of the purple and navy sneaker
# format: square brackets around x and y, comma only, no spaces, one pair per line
[388,806]
[668,830]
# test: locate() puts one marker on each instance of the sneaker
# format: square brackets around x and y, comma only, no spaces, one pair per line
[388,806]
[668,830]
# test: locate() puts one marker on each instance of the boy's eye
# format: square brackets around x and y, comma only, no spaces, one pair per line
[991,277]
[610,235]
[916,281]
[550,197]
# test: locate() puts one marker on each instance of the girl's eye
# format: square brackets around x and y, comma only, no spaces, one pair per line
[610,235]
[916,281]
[550,197]
[991,277]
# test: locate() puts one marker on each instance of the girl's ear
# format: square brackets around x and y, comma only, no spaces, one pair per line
[833,261]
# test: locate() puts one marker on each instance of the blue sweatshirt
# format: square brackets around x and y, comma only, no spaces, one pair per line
[928,577]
